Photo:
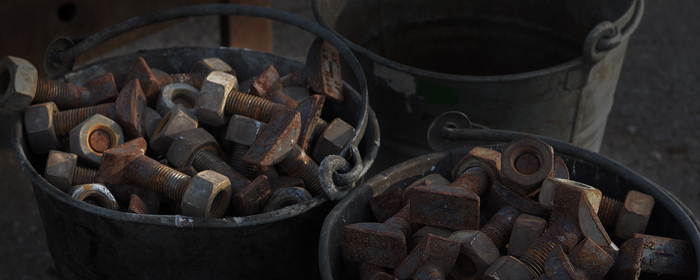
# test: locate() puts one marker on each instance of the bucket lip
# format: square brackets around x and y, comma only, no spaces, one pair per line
[623,20]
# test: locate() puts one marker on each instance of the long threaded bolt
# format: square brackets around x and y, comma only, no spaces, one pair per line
[475,179]
[254,107]
[609,210]
[205,159]
[535,257]
[82,175]
[64,95]
[499,227]
[235,160]
[158,177]
[320,127]
[299,164]
[64,121]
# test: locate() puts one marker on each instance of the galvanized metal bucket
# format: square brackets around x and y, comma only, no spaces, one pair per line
[88,242]
[544,67]
[670,218]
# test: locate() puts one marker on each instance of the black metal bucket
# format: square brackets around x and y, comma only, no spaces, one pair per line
[88,242]
[669,218]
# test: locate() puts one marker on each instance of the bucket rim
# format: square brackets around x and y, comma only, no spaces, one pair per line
[637,6]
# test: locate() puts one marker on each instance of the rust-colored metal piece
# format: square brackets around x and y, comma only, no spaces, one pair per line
[131,109]
[276,141]
[322,71]
[333,140]
[374,272]
[560,169]
[382,244]
[281,182]
[387,204]
[501,196]
[552,186]
[423,232]
[432,179]
[137,206]
[100,141]
[654,255]
[288,196]
[82,136]
[267,85]
[633,215]
[95,194]
[486,168]
[300,165]
[97,90]
[525,163]
[589,260]
[526,230]
[432,259]
[151,80]
[252,199]
[310,112]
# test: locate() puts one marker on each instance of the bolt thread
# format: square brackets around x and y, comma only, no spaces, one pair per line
[193,79]
[169,182]
[82,175]
[254,107]
[498,231]
[235,160]
[608,211]
[475,179]
[535,257]
[64,121]
[48,90]
[208,160]
[299,164]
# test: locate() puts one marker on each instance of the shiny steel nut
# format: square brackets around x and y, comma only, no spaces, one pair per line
[89,139]
[487,159]
[39,125]
[208,195]
[508,267]
[552,185]
[634,215]
[333,140]
[430,180]
[477,252]
[215,90]
[174,122]
[18,82]
[244,130]
[182,94]
[151,122]
[188,143]
[59,169]
[525,162]
[209,64]
[526,230]
[96,193]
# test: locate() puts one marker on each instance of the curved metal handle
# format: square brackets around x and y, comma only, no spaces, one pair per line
[328,174]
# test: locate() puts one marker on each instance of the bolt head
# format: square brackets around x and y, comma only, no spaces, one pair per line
[96,192]
[374,243]
[323,65]
[207,196]
[59,169]
[310,112]
[423,233]
[267,83]
[118,159]
[39,125]
[210,64]
[80,137]
[215,90]
[558,266]
[552,185]
[386,204]
[141,72]
[183,94]
[445,206]
[276,141]
[634,215]
[18,82]
[526,230]
[188,143]
[252,199]
[487,159]
[526,183]
[244,130]
[333,140]
[508,267]
[590,259]
[131,108]
[476,251]
[435,251]
[173,123]
[151,122]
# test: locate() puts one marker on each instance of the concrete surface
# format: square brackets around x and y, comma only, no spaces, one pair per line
[652,129]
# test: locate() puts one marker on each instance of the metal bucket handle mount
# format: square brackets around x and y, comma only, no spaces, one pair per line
[60,55]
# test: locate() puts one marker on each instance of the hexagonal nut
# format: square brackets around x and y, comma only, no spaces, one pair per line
[188,143]
[525,163]
[18,82]
[508,267]
[477,251]
[178,93]
[333,140]
[39,125]
[151,122]
[96,193]
[83,144]
[210,64]
[244,130]
[59,169]
[208,195]
[174,122]
[634,215]
[552,185]
[487,159]
[526,230]
[215,90]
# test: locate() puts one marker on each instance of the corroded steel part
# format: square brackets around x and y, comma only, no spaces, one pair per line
[137,206]
[486,159]
[173,123]
[141,72]
[634,214]
[59,169]
[92,137]
[445,206]
[96,193]
[276,141]
[655,255]
[501,196]
[151,121]
[209,64]
[252,199]
[422,233]
[18,83]
[433,253]
[244,130]
[286,196]
[299,164]
[432,179]
[551,186]
[267,85]
[310,112]
[282,182]
[374,272]
[178,94]
[387,204]
[39,124]
[334,139]
[589,260]
[508,267]
[525,163]
[322,71]
[131,107]
[526,230]
[560,168]
[558,266]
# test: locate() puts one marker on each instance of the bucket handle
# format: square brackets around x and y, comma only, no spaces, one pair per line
[60,55]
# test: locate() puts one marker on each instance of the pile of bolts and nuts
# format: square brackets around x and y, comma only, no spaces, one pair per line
[437,229]
[151,147]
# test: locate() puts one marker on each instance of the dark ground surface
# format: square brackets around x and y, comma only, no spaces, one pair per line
[652,129]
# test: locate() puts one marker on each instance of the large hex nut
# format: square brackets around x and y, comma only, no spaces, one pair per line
[508,267]
[526,230]
[39,125]
[188,143]
[333,140]
[59,169]
[80,136]
[525,163]
[208,195]
[634,215]
[96,193]
[18,82]
[178,93]
[552,185]
[244,130]
[210,64]
[174,122]
[215,90]
[477,251]
[484,158]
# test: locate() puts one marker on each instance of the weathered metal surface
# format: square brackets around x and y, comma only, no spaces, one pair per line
[423,232]
[281,182]
[590,261]
[18,83]
[526,230]
[552,186]
[299,164]
[322,71]
[252,198]
[137,206]
[42,128]
[508,267]
[433,253]
[177,94]
[445,206]
[267,85]
[634,214]
[501,196]
[486,159]
[59,169]
[131,109]
[655,255]
[276,141]
[81,138]
[310,111]
[96,193]
[336,136]
[387,204]
[286,196]
[560,168]
[534,156]
[174,122]
[374,272]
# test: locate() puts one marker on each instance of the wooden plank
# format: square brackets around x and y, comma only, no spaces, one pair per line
[247,32]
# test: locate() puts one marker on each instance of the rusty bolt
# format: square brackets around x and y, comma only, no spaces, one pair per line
[560,169]
[654,255]
[382,244]
[501,196]
[430,180]
[551,186]
[235,160]
[322,71]
[432,259]
[152,79]
[628,217]
[151,121]
[589,260]
[422,233]
[174,122]
[559,267]
[137,206]
[374,272]
[39,123]
[243,131]
[205,195]
[91,138]
[487,160]
[267,85]
[284,197]
[96,194]
[526,230]
[62,171]
[525,163]
[21,85]
[209,64]
[253,198]
[386,204]
[335,137]
[311,123]
[479,249]
[178,94]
